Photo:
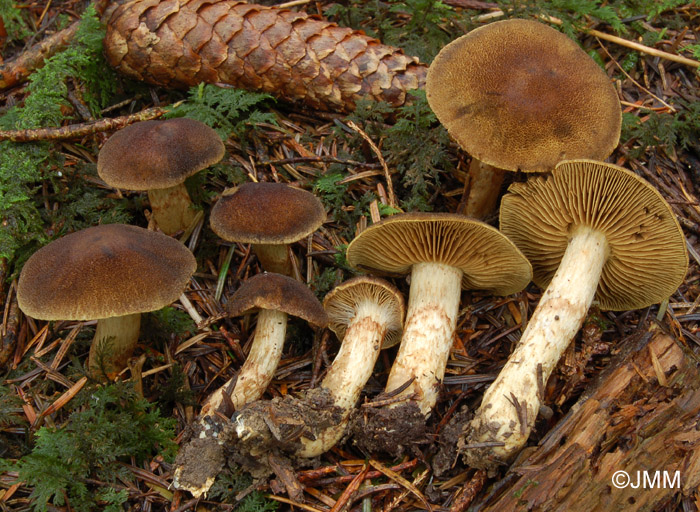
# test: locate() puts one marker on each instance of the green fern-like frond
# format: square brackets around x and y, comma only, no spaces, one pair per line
[228,111]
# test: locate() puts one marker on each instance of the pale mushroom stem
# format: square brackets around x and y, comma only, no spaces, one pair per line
[516,393]
[431,319]
[114,343]
[274,258]
[259,367]
[172,208]
[484,187]
[351,369]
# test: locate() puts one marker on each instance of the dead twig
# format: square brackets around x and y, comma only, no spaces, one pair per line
[76,131]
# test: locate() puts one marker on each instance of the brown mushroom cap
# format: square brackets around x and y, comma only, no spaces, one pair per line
[341,303]
[648,258]
[487,258]
[519,95]
[280,293]
[102,272]
[158,154]
[266,213]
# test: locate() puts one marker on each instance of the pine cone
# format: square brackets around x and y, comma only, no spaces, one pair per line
[292,55]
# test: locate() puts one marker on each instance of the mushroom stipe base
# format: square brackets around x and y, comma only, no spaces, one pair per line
[114,343]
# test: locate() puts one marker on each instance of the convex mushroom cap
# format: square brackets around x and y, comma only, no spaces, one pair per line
[647,259]
[487,259]
[280,293]
[111,273]
[104,271]
[342,303]
[158,156]
[269,216]
[520,95]
[591,230]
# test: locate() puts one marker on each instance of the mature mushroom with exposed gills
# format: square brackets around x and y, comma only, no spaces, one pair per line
[270,216]
[158,156]
[591,231]
[274,297]
[366,313]
[110,273]
[444,253]
[518,95]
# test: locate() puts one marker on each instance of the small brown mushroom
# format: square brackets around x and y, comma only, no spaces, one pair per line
[274,297]
[518,95]
[110,273]
[270,216]
[158,156]
[591,230]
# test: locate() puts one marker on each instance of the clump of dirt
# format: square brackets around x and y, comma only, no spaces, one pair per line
[394,431]
[201,458]
[280,424]
[447,453]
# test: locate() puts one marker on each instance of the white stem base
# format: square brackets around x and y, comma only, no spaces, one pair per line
[557,319]
[431,319]
[114,343]
[351,369]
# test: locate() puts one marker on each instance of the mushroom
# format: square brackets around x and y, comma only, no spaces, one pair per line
[158,156]
[444,253]
[518,95]
[110,273]
[592,230]
[366,313]
[274,297]
[270,216]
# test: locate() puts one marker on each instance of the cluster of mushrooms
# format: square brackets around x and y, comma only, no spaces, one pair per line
[585,231]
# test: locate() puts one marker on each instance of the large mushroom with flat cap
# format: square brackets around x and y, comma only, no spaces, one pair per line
[274,297]
[366,313]
[158,156]
[592,231]
[110,273]
[270,216]
[443,253]
[518,95]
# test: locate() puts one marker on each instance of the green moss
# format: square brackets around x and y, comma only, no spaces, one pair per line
[109,424]
[24,165]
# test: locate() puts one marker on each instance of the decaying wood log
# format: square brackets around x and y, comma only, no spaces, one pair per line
[642,417]
[292,55]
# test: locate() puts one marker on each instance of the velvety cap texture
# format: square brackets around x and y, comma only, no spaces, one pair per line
[266,213]
[281,293]
[648,258]
[520,95]
[158,154]
[488,260]
[102,272]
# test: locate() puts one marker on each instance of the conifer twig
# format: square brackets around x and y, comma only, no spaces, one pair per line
[18,70]
[75,131]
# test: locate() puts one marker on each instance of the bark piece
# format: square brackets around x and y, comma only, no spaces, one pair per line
[628,422]
[292,55]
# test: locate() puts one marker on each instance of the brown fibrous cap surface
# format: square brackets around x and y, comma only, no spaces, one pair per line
[519,95]
[647,259]
[158,154]
[102,272]
[266,213]
[280,293]
[488,260]
[341,305]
